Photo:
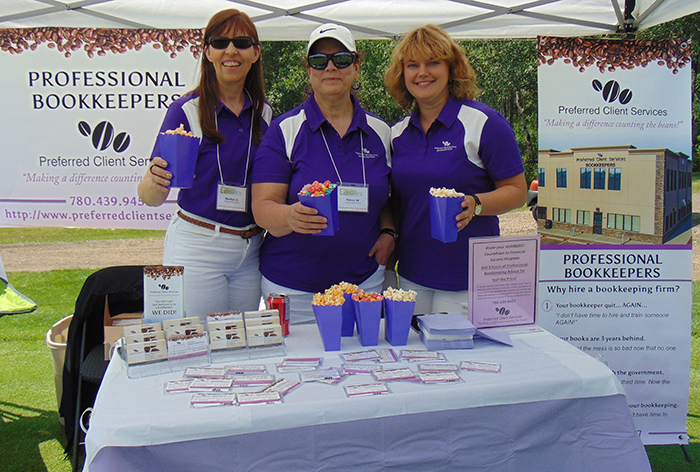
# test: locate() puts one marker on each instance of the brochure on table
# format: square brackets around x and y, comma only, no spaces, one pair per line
[503,278]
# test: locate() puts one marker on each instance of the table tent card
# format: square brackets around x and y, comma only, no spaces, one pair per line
[503,280]
[162,293]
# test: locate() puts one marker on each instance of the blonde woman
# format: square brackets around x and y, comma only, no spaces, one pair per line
[449,140]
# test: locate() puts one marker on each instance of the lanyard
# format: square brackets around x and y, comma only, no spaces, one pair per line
[362,158]
[247,161]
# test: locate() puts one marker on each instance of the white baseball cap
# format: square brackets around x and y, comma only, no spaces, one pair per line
[333,31]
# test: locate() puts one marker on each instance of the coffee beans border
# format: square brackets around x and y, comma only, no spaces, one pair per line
[100,41]
[611,55]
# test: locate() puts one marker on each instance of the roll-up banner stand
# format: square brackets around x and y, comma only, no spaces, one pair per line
[614,215]
[81,111]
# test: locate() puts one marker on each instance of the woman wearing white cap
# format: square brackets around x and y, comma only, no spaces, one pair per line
[329,137]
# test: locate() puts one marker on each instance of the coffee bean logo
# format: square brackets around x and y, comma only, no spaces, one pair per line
[84,128]
[625,96]
[121,142]
[103,135]
[611,91]
[503,311]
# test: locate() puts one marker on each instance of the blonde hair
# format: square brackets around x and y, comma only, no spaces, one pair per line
[432,42]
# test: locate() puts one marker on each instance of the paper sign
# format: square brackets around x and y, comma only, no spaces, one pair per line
[503,277]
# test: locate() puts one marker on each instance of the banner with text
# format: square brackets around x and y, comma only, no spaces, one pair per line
[86,106]
[614,215]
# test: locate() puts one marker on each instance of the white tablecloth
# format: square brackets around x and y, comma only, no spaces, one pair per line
[544,383]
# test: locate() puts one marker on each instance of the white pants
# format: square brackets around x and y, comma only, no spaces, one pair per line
[300,310]
[429,300]
[221,270]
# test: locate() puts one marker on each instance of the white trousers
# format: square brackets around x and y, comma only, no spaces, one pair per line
[429,300]
[221,270]
[300,310]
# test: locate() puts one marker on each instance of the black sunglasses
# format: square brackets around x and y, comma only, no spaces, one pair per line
[239,42]
[341,60]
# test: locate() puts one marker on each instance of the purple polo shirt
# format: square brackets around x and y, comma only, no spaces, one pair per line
[467,148]
[294,153]
[233,152]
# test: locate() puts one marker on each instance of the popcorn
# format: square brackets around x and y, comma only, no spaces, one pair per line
[362,296]
[328,298]
[334,295]
[400,295]
[347,287]
[317,189]
[180,130]
[445,192]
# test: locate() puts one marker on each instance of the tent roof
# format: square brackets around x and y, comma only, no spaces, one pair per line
[369,19]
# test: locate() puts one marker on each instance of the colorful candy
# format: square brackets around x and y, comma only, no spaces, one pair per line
[362,296]
[317,189]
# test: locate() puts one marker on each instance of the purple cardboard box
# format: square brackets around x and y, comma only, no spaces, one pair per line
[329,319]
[181,153]
[443,211]
[369,315]
[327,207]
[397,315]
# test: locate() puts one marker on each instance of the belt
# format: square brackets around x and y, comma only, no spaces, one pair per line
[245,234]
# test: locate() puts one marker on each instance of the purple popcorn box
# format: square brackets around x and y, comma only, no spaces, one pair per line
[329,320]
[181,153]
[327,207]
[397,316]
[348,328]
[368,316]
[443,211]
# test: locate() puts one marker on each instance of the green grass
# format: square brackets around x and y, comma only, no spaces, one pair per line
[31,436]
[30,433]
[47,235]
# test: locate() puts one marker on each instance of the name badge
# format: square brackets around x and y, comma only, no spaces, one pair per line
[231,198]
[353,198]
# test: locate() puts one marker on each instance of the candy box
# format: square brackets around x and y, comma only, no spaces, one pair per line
[325,200]
[180,150]
[443,211]
[368,312]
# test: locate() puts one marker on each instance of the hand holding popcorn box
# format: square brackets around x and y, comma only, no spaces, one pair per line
[328,310]
[398,313]
[368,312]
[179,148]
[445,205]
[322,197]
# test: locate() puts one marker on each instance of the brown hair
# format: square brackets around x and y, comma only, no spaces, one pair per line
[432,42]
[208,88]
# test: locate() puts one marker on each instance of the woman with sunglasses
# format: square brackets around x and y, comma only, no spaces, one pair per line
[449,140]
[328,137]
[216,239]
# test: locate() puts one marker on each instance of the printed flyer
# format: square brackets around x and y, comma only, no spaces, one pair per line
[503,281]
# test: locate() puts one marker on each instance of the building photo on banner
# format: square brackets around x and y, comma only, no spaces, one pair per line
[614,213]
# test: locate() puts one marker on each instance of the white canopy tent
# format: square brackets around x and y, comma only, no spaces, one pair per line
[369,19]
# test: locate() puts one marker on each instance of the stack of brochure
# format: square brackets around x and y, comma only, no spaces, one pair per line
[446,331]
